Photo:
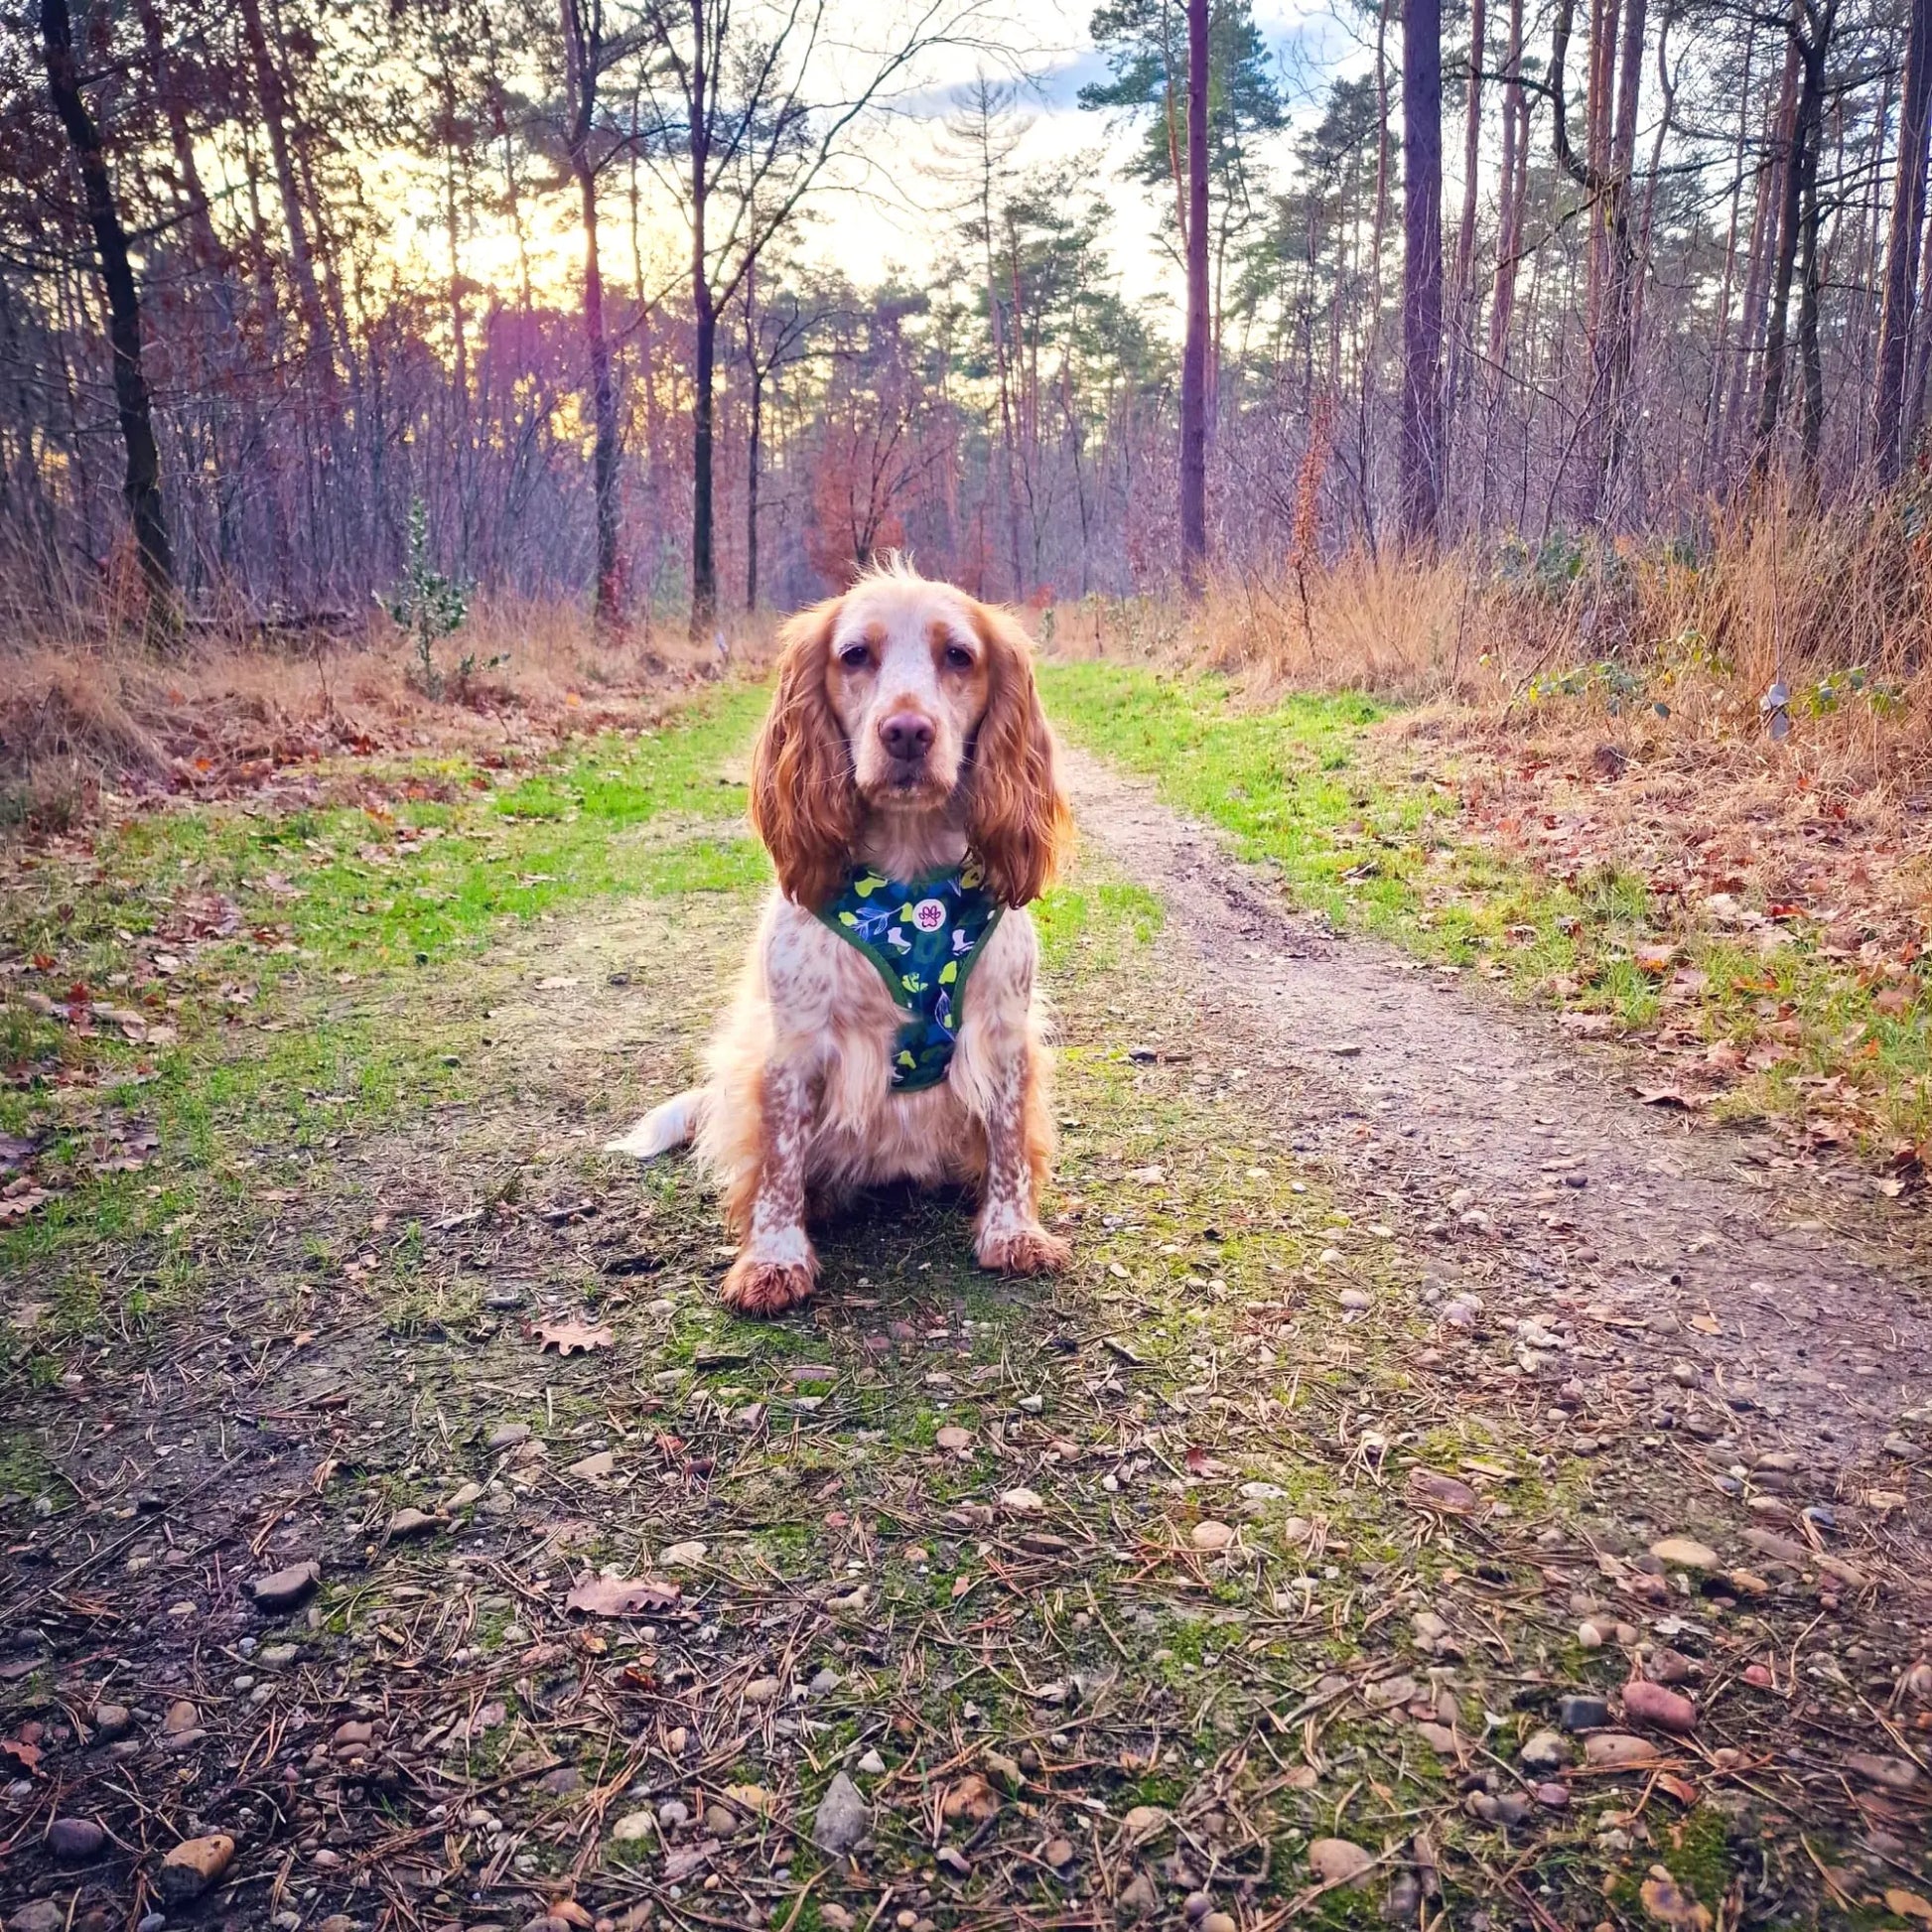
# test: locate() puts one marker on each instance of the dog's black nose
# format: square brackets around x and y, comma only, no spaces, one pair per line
[907,736]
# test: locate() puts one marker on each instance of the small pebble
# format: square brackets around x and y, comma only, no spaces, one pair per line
[75,1840]
[1582,1713]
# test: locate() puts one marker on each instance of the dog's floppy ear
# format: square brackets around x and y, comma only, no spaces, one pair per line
[803,804]
[1018,821]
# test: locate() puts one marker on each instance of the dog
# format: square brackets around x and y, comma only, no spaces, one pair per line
[887,1025]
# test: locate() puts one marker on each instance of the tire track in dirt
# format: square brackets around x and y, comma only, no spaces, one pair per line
[1529,1169]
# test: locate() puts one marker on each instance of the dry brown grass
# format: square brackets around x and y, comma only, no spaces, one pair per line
[1662,657]
[91,711]
[1610,700]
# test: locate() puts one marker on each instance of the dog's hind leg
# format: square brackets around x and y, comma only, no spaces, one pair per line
[673,1124]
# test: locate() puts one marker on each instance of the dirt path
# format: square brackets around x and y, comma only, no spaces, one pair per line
[1536,1176]
[1310,1553]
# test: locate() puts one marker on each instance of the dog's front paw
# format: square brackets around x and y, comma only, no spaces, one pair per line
[1023,1250]
[762,1288]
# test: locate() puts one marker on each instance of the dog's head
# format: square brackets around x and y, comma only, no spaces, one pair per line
[905,696]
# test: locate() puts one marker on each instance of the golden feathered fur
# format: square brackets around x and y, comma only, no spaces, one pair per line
[905,731]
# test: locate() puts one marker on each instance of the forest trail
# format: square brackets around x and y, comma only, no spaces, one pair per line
[1532,1173]
[1339,1542]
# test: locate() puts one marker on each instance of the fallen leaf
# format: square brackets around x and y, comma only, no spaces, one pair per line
[618,1596]
[1670,1905]
[1433,1490]
[1908,1904]
[571,1336]
[972,1798]
[1339,1862]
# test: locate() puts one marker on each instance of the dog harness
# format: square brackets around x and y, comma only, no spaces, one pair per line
[923,935]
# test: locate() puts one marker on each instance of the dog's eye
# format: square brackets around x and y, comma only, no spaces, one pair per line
[855,657]
[959,658]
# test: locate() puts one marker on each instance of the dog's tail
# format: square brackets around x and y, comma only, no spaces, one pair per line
[673,1124]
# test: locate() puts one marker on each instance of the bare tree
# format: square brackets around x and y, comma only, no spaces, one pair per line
[776,334]
[142,485]
[749,116]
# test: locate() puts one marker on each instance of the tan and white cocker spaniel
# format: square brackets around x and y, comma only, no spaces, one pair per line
[886,1026]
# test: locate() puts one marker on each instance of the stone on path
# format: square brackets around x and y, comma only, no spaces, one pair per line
[285,1589]
[1684,1553]
[194,1865]
[75,1840]
[843,1818]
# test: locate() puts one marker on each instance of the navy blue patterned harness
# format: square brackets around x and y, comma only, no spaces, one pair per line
[923,935]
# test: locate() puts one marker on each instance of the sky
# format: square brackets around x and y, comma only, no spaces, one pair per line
[897,231]
[894,226]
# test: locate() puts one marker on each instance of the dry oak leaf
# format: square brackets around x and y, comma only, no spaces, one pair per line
[620,1597]
[569,1336]
[1908,1904]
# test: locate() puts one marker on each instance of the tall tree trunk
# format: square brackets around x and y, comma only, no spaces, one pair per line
[1599,103]
[460,460]
[1194,368]
[141,484]
[752,459]
[1421,269]
[582,53]
[1902,250]
[1369,356]
[1719,349]
[1811,420]
[753,438]
[1463,303]
[1745,367]
[1512,191]
[704,318]
[1616,344]
[1919,358]
[1800,172]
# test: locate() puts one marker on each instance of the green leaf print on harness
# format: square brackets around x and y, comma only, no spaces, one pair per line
[923,935]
